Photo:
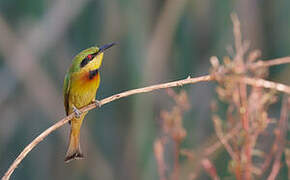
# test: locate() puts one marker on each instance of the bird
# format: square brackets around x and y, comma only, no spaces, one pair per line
[80,86]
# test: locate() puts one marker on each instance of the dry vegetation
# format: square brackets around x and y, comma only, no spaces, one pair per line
[242,132]
[246,131]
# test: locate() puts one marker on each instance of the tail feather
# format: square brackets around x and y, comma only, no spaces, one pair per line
[76,155]
[74,150]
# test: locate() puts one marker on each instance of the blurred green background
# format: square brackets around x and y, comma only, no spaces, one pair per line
[158,41]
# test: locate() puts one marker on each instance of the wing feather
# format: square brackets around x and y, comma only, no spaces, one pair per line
[66,90]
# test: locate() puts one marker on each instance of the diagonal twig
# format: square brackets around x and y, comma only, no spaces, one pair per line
[273,62]
[63,121]
[250,81]
[280,138]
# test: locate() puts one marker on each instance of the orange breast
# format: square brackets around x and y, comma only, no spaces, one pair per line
[90,76]
[83,90]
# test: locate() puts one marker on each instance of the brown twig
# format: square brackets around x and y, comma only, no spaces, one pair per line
[219,133]
[60,123]
[159,155]
[210,168]
[241,48]
[172,132]
[250,81]
[207,151]
[257,82]
[273,62]
[211,149]
[280,137]
[287,159]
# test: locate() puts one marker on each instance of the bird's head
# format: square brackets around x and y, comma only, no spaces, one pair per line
[91,57]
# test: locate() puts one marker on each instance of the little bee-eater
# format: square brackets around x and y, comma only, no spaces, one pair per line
[79,89]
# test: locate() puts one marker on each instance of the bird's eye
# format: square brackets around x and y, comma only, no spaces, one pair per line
[90,57]
[87,59]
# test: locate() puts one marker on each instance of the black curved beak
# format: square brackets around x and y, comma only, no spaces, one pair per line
[106,46]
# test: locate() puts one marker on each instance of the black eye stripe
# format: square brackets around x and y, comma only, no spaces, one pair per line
[84,62]
[94,54]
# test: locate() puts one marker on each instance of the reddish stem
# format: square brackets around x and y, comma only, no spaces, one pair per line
[245,124]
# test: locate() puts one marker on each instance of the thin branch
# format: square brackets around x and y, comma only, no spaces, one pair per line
[250,81]
[159,155]
[280,138]
[210,169]
[273,62]
[234,131]
[207,151]
[237,34]
[266,84]
[220,135]
[60,123]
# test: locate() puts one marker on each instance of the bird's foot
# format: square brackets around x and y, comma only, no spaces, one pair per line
[98,103]
[77,112]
